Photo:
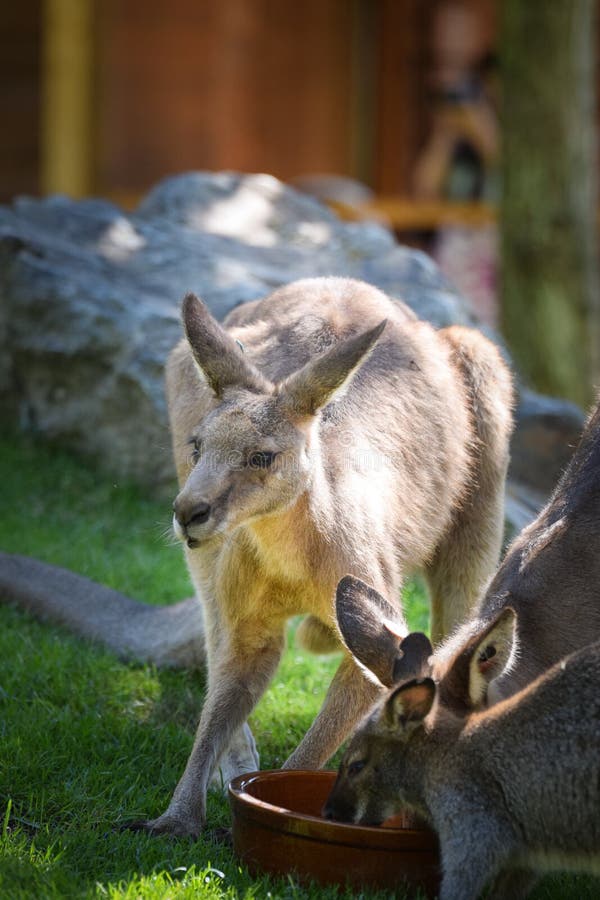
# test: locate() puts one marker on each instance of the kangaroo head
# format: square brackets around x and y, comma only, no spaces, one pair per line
[373,781]
[252,455]
[380,769]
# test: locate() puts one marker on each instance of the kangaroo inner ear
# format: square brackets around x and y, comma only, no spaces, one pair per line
[320,380]
[491,654]
[481,658]
[409,704]
[370,627]
[219,358]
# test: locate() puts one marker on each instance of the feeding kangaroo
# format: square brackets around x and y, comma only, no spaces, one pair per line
[510,790]
[548,579]
[312,439]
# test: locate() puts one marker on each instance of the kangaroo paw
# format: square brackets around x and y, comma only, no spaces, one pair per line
[167,824]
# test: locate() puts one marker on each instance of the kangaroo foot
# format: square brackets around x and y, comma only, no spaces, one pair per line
[168,824]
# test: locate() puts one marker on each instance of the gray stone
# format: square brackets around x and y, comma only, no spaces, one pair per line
[546,433]
[89,303]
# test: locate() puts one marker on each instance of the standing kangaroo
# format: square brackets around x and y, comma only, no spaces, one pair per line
[510,789]
[310,441]
[313,439]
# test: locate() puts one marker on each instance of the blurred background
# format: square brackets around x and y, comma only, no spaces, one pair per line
[108,96]
[467,126]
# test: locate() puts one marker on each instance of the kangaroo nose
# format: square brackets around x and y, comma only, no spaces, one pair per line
[199,514]
[194,515]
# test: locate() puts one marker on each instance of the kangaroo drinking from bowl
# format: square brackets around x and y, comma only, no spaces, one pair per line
[548,576]
[510,789]
[310,440]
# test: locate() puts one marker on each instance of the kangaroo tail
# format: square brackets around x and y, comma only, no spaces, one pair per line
[169,636]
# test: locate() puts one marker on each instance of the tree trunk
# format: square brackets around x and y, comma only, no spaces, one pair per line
[549,236]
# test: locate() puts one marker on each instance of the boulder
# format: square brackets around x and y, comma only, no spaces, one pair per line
[90,294]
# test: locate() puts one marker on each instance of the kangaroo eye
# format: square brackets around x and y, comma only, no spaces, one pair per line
[261,459]
[487,653]
[356,767]
[195,451]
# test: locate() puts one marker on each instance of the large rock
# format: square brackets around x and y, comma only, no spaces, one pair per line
[90,298]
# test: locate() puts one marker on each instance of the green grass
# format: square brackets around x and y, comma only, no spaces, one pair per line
[88,742]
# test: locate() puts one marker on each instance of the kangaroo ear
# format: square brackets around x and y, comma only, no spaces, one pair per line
[220,359]
[371,628]
[317,383]
[407,706]
[483,658]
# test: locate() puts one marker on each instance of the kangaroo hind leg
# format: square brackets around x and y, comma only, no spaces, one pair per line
[469,553]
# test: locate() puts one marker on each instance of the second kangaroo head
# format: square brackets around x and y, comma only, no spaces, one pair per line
[252,454]
[375,779]
[408,737]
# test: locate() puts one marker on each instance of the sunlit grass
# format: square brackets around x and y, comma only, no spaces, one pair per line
[88,742]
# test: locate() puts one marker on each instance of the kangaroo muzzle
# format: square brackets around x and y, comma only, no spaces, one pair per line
[188,516]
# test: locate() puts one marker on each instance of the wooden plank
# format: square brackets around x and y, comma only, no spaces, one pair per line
[402,99]
[405,214]
[67,101]
[20,36]
[249,85]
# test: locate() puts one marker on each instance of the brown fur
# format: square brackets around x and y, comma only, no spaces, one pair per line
[391,452]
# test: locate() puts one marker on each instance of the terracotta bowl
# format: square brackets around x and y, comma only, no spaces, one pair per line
[278,828]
